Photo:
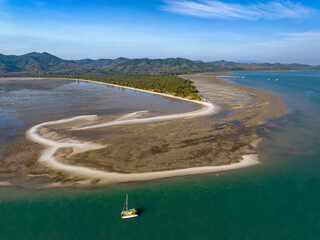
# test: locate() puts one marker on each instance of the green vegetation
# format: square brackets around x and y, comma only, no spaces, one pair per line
[46,65]
[157,75]
[160,66]
[168,84]
[105,70]
[37,65]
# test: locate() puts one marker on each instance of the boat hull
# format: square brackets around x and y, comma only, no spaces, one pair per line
[129,216]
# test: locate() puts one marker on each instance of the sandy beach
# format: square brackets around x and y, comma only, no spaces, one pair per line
[102,177]
[257,105]
[168,145]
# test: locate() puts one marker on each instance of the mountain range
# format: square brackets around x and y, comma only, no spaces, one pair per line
[44,64]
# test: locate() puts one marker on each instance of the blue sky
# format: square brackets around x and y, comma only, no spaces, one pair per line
[208,30]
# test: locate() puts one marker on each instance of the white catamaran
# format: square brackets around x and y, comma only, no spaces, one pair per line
[128,213]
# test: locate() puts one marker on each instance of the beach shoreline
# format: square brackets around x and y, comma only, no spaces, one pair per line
[51,147]
[103,177]
[105,83]
[96,177]
[90,175]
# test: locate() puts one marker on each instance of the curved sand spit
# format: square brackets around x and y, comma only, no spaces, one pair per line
[52,146]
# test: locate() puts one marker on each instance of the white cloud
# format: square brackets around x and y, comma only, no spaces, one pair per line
[303,39]
[302,47]
[302,36]
[217,9]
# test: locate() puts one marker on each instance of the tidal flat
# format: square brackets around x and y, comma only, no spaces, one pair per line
[215,140]
[281,193]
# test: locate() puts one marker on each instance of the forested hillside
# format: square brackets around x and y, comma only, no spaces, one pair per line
[45,64]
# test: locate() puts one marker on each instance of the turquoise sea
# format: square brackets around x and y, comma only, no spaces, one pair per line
[277,199]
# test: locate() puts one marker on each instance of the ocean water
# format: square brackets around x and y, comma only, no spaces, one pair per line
[277,199]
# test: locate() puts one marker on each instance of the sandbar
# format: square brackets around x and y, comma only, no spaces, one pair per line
[141,148]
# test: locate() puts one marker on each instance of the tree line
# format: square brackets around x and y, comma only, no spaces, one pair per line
[169,84]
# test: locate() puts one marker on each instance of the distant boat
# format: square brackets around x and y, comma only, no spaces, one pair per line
[128,213]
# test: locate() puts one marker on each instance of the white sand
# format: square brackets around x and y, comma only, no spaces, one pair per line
[51,146]
[112,177]
[5,184]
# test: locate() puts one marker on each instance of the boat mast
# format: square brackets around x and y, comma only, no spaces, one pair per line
[127,203]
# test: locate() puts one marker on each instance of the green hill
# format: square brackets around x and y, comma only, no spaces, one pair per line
[160,66]
[37,64]
[100,63]
[45,64]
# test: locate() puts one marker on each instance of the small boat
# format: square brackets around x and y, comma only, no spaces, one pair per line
[128,213]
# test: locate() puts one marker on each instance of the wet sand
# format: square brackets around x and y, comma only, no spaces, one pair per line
[251,106]
[154,149]
[50,158]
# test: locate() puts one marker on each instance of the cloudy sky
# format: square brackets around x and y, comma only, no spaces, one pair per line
[208,30]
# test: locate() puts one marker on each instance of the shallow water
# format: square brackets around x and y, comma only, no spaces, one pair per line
[26,103]
[278,199]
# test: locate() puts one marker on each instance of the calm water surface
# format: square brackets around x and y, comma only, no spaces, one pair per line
[26,103]
[278,199]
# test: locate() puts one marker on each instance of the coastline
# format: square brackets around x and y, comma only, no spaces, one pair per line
[96,177]
[106,177]
[260,105]
[111,177]
[103,177]
[108,84]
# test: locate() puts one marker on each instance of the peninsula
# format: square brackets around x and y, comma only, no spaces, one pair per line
[140,146]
